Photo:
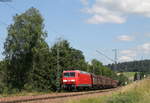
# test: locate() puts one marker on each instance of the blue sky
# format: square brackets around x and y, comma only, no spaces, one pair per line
[90,25]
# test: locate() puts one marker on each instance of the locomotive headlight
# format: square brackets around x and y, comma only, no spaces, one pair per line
[64,80]
[73,80]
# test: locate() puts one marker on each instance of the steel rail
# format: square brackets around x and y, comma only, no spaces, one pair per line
[35,98]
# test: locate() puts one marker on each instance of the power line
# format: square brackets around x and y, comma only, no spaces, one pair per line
[115,58]
[105,56]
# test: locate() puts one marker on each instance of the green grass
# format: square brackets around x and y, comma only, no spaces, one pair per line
[23,93]
[137,92]
[129,74]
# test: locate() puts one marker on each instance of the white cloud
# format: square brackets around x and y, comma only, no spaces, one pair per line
[116,11]
[96,19]
[127,55]
[145,48]
[125,38]
[84,2]
[131,54]
[125,58]
[147,35]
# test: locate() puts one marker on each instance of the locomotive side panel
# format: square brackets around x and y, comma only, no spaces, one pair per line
[84,80]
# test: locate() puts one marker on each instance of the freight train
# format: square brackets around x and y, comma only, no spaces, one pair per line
[76,79]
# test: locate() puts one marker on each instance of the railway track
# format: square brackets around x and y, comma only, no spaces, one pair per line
[23,99]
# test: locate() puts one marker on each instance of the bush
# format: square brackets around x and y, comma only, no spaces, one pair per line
[122,79]
[1,88]
[28,87]
[5,90]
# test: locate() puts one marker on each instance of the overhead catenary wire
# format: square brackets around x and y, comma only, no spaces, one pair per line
[113,60]
[105,56]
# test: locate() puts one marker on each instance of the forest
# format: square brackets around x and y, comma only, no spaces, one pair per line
[132,66]
[30,64]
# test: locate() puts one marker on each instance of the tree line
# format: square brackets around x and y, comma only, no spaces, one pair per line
[132,66]
[31,65]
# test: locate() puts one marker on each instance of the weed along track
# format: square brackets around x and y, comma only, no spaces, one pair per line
[53,96]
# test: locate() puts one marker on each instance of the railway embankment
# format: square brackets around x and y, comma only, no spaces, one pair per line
[137,92]
[55,97]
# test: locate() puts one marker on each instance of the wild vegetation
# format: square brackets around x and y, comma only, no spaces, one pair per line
[134,70]
[138,92]
[31,65]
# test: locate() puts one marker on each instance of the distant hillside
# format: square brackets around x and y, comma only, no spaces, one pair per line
[133,66]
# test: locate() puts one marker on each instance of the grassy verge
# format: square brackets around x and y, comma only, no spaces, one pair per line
[23,93]
[138,92]
[130,75]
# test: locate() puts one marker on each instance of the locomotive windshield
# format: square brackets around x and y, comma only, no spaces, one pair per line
[69,74]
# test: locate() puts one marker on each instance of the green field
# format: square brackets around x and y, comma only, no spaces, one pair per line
[137,92]
[130,75]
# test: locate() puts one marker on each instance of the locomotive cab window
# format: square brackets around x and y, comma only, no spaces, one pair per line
[72,74]
[69,74]
[66,74]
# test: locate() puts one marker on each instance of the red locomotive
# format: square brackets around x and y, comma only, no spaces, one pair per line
[75,79]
